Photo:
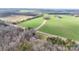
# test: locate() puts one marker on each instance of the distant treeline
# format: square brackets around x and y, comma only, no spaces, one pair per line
[62,13]
[17,13]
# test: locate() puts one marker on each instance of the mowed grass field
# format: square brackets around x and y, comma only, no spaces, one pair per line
[67,26]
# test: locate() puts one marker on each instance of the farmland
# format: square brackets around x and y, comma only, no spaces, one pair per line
[67,26]
[15,18]
[32,23]
[39,30]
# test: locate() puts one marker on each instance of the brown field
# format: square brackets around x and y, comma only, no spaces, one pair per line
[15,18]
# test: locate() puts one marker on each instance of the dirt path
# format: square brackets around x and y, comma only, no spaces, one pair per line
[51,35]
[44,22]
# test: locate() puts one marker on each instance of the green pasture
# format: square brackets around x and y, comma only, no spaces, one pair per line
[67,26]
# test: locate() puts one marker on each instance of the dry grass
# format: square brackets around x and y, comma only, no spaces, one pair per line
[16,18]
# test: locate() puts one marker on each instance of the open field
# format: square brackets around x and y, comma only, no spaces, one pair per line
[32,23]
[67,26]
[15,18]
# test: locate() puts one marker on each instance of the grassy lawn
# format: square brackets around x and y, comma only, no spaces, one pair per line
[67,26]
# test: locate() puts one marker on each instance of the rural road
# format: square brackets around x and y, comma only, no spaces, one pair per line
[44,22]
